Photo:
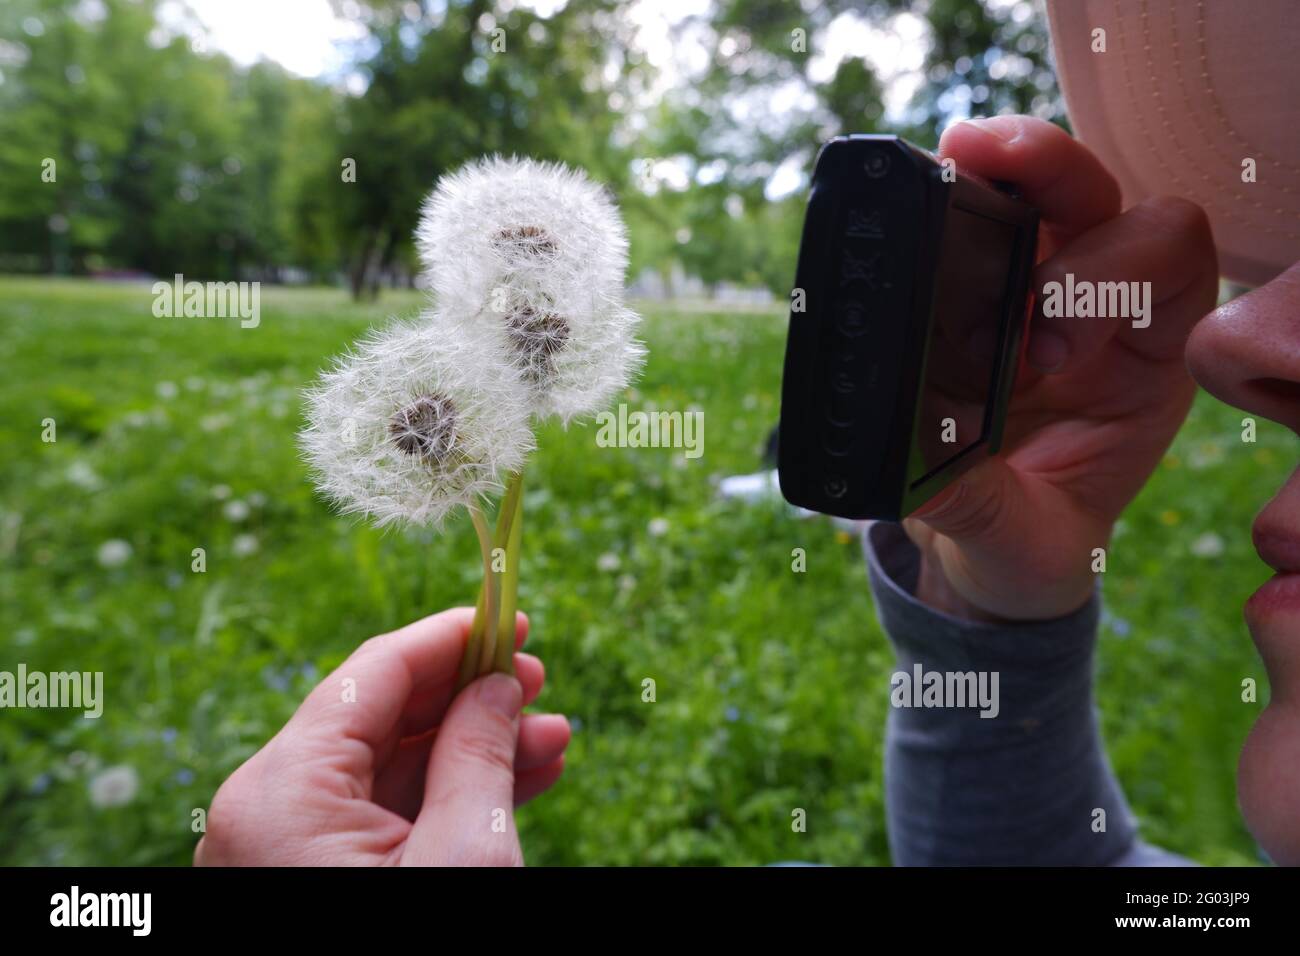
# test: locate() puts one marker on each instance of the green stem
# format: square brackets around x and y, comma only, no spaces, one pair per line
[469,661]
[482,635]
[510,527]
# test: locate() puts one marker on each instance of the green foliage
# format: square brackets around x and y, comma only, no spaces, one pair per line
[170,160]
[771,685]
[165,160]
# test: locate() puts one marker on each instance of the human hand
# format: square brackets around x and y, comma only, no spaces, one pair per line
[1096,402]
[381,766]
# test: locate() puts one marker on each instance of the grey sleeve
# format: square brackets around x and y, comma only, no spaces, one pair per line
[1028,786]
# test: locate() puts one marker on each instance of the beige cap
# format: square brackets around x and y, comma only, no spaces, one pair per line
[1186,98]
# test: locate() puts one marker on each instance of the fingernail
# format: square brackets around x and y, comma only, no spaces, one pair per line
[502,693]
[996,126]
[1048,350]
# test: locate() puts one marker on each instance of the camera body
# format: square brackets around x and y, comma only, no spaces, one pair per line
[906,327]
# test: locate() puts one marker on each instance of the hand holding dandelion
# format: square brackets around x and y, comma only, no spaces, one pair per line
[526,263]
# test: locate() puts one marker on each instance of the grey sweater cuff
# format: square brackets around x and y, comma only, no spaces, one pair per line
[1029,786]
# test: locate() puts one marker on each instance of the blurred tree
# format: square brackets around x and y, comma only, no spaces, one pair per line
[721,127]
[163,160]
[169,159]
[451,81]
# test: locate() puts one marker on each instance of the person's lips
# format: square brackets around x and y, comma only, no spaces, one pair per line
[1277,544]
[1276,535]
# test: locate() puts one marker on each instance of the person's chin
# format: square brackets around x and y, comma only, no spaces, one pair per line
[1268,781]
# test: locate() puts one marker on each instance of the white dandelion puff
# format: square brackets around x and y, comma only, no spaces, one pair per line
[549,227]
[235,510]
[532,256]
[415,424]
[244,545]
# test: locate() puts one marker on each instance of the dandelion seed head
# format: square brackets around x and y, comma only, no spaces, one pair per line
[547,225]
[531,257]
[416,423]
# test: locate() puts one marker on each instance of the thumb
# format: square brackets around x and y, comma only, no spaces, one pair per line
[467,818]
[976,508]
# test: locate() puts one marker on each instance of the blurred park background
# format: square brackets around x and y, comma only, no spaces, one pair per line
[214,139]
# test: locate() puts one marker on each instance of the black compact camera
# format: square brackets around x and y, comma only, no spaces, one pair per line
[906,325]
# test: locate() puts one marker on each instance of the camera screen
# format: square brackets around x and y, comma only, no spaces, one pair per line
[965,340]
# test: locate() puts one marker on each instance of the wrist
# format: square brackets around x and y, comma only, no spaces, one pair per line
[934,590]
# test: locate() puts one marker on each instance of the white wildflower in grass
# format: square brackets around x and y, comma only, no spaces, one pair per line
[114,786]
[83,476]
[113,553]
[235,510]
[244,545]
[1208,545]
[532,256]
[414,425]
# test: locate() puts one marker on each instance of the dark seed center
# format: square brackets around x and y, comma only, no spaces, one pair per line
[426,428]
[538,336]
[531,242]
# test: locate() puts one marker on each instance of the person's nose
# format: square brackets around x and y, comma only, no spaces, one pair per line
[1247,352]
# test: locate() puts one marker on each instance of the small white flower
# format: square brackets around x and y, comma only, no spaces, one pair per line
[608,562]
[166,390]
[658,527]
[1208,545]
[1206,455]
[83,476]
[114,787]
[114,553]
[532,256]
[256,499]
[220,492]
[414,425]
[244,545]
[235,510]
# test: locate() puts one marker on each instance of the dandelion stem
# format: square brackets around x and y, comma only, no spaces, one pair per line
[510,526]
[482,637]
[469,661]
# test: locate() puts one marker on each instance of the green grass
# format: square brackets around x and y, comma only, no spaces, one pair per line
[771,686]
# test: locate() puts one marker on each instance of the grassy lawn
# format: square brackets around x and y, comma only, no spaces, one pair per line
[772,686]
